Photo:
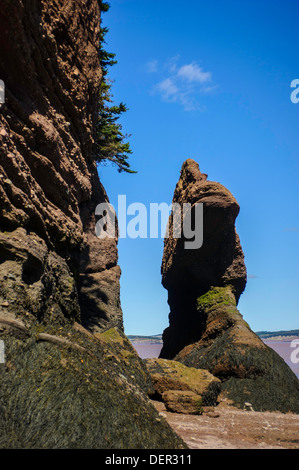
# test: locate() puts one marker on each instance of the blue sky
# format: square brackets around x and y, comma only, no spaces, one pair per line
[210,80]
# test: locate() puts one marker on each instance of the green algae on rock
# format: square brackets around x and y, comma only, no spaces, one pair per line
[183,401]
[206,330]
[55,396]
[248,368]
[169,375]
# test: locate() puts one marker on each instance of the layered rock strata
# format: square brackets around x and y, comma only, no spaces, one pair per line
[49,186]
[206,329]
[61,385]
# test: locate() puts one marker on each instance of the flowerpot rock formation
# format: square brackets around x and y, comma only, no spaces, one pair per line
[206,330]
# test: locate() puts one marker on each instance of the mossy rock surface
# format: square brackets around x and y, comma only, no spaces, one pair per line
[168,375]
[216,295]
[249,370]
[83,395]
[183,401]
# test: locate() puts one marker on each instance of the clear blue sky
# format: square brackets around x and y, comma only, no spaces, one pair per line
[210,80]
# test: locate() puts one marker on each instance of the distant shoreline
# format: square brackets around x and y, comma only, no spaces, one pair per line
[282,339]
[289,335]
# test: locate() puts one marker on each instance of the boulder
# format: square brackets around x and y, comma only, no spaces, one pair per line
[186,402]
[168,375]
[65,388]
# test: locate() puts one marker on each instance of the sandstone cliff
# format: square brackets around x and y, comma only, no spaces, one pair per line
[49,184]
[206,329]
[62,385]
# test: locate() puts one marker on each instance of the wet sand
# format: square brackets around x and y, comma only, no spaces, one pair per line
[235,429]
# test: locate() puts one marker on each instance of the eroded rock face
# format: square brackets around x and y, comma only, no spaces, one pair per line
[49,186]
[206,329]
[61,386]
[189,273]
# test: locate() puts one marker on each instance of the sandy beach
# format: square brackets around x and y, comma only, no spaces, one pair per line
[228,427]
[231,428]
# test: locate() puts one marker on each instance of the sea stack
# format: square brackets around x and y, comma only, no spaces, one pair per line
[204,285]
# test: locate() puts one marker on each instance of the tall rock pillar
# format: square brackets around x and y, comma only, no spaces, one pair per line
[206,330]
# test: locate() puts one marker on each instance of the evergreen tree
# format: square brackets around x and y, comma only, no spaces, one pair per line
[110,141]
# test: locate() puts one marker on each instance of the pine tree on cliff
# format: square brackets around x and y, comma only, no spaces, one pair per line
[110,141]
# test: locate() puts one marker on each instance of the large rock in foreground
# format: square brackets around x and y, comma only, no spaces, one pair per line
[206,329]
[69,389]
